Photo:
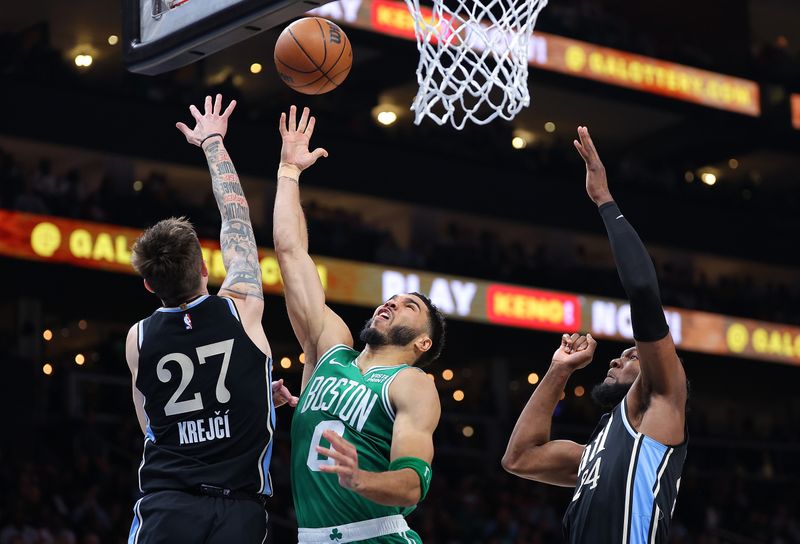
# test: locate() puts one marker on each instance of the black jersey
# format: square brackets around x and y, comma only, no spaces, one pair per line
[208,400]
[627,486]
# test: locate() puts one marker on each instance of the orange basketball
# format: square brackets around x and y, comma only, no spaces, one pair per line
[313,55]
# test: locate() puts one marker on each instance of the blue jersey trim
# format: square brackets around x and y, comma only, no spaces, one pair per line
[192,304]
[624,410]
[232,307]
[140,333]
[650,461]
[148,432]
[266,455]
[136,526]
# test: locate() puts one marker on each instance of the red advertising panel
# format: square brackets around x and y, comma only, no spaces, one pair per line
[533,309]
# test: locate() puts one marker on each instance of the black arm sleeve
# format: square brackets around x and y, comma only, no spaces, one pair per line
[638,276]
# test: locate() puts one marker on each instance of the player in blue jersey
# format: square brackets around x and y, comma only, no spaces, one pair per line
[627,477]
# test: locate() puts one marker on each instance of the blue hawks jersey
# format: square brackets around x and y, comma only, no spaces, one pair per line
[208,400]
[627,486]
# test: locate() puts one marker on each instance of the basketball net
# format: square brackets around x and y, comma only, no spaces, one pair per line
[473,62]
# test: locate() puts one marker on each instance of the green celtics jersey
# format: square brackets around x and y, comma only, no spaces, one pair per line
[356,406]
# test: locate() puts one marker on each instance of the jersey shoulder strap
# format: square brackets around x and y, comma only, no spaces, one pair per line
[385,376]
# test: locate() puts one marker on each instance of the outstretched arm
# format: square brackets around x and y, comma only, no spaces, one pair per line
[662,377]
[316,326]
[237,241]
[530,453]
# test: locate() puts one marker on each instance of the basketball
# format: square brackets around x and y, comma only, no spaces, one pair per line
[313,55]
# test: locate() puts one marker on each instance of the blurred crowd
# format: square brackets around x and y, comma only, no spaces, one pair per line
[465,249]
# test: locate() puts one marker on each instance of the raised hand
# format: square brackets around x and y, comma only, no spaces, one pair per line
[596,182]
[576,351]
[281,395]
[345,459]
[296,137]
[212,121]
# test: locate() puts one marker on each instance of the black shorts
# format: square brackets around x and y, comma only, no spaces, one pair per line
[176,517]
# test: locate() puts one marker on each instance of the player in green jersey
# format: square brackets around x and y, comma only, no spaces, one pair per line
[362,433]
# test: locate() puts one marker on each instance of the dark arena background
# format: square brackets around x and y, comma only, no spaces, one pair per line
[492,221]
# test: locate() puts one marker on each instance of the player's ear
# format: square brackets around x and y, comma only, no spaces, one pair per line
[204,269]
[147,286]
[423,343]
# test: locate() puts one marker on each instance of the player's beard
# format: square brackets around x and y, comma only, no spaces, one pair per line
[608,395]
[395,336]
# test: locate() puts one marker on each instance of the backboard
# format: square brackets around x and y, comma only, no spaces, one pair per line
[161,35]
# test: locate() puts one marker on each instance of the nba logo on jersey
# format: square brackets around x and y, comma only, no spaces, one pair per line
[188,320]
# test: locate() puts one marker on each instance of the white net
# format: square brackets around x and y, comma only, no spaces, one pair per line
[473,59]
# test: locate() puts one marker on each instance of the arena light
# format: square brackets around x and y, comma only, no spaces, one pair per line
[533,378]
[733,164]
[80,359]
[563,396]
[522,138]
[113,39]
[458,395]
[47,335]
[387,118]
[302,358]
[47,368]
[550,127]
[83,60]
[286,362]
[386,114]
[688,176]
[447,374]
[138,185]
[431,376]
[709,178]
[256,68]
[468,431]
[83,325]
[580,391]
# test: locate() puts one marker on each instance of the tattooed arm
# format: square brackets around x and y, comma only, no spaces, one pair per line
[239,250]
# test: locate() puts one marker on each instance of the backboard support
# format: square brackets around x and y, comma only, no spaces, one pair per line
[162,35]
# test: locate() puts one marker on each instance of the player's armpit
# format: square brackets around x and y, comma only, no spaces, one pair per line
[334,332]
[662,393]
[662,370]
[555,462]
[251,311]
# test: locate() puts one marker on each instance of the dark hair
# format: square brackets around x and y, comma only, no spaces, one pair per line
[168,256]
[436,328]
